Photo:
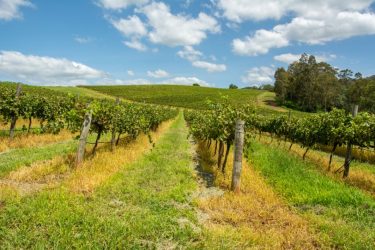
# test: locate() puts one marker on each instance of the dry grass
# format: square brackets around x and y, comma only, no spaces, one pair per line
[33,140]
[93,172]
[365,155]
[255,218]
[20,123]
[358,177]
[97,170]
[44,171]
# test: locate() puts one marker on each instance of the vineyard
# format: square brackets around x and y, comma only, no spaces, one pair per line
[85,167]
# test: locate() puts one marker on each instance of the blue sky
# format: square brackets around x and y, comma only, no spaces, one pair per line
[215,43]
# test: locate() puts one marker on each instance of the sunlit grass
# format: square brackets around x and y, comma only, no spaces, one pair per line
[362,175]
[344,214]
[255,218]
[34,140]
[139,207]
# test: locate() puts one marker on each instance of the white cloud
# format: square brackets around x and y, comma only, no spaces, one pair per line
[314,22]
[177,30]
[10,9]
[258,76]
[190,54]
[290,58]
[136,44]
[186,81]
[45,70]
[120,4]
[82,40]
[133,26]
[130,72]
[210,67]
[181,80]
[242,10]
[158,73]
[341,26]
[194,56]
[260,43]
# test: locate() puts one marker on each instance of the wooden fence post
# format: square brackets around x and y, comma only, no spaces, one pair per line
[238,150]
[14,118]
[113,139]
[348,156]
[83,138]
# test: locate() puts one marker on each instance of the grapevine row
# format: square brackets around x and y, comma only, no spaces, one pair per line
[335,128]
[55,112]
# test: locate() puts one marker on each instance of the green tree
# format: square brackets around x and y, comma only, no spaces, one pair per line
[233,86]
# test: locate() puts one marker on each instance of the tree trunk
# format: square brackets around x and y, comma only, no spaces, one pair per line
[96,142]
[118,139]
[291,145]
[226,157]
[304,155]
[348,157]
[15,116]
[83,138]
[331,156]
[29,127]
[215,147]
[238,150]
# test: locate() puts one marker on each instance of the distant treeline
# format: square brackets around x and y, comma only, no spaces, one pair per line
[311,86]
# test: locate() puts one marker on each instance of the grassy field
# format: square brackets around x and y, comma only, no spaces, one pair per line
[83,92]
[179,96]
[144,197]
[343,215]
[128,211]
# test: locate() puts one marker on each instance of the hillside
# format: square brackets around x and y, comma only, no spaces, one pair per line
[176,95]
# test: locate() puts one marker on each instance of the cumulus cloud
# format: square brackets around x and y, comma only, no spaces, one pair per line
[10,9]
[136,44]
[315,22]
[130,72]
[180,80]
[258,76]
[241,10]
[210,67]
[190,54]
[260,43]
[290,58]
[45,70]
[177,30]
[195,57]
[186,81]
[120,4]
[158,73]
[133,26]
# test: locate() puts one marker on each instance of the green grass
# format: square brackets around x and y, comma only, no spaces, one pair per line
[344,215]
[16,158]
[176,95]
[141,207]
[83,92]
[13,159]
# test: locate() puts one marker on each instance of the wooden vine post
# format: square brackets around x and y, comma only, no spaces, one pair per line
[83,138]
[14,118]
[348,156]
[238,150]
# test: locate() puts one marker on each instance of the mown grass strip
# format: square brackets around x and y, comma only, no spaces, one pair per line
[344,214]
[145,206]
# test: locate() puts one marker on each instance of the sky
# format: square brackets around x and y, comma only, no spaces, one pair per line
[210,42]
